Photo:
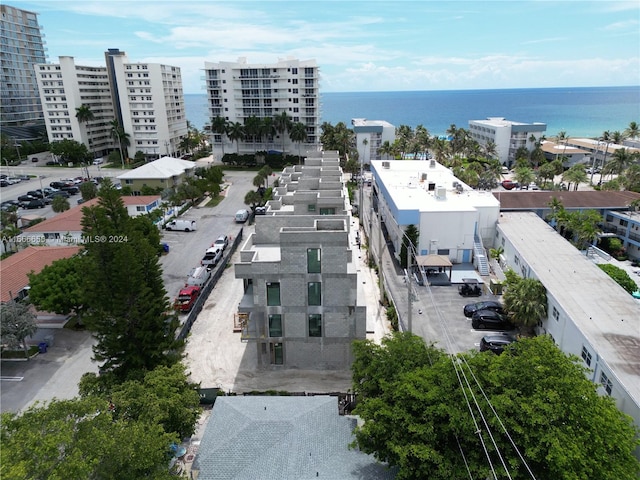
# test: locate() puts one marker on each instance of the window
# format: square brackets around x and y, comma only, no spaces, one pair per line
[313,260]
[315,325]
[311,208]
[328,211]
[273,294]
[275,325]
[606,383]
[275,354]
[314,296]
[555,313]
[586,356]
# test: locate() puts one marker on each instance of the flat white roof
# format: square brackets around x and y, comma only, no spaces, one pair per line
[607,315]
[404,184]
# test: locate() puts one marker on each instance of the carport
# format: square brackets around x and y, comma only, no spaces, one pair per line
[432,264]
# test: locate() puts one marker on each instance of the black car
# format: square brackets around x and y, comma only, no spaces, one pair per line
[25,198]
[33,204]
[71,190]
[489,319]
[59,185]
[34,159]
[471,308]
[470,287]
[36,194]
[496,343]
[59,193]
[4,183]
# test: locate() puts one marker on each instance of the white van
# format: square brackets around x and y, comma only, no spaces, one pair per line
[198,276]
[241,216]
[182,225]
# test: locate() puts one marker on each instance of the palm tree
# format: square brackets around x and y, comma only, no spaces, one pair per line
[219,125]
[298,134]
[423,139]
[606,137]
[575,175]
[489,149]
[282,124]
[84,115]
[632,130]
[122,137]
[525,299]
[385,149]
[267,129]
[620,161]
[617,137]
[252,128]
[561,137]
[365,142]
[236,133]
[524,175]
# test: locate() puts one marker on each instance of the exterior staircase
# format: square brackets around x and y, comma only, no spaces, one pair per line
[480,260]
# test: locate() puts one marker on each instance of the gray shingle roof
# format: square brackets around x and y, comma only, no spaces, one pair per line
[279,438]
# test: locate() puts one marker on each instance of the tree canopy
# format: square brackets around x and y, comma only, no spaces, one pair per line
[17,322]
[477,415]
[130,315]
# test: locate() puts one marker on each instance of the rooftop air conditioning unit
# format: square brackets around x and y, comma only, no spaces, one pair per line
[455,184]
[432,163]
[423,177]
[386,165]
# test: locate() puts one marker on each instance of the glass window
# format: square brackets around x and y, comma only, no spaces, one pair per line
[311,208]
[586,356]
[275,325]
[273,294]
[315,325]
[314,293]
[328,211]
[606,383]
[313,260]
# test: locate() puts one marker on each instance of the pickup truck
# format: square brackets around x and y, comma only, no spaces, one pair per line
[186,298]
[212,256]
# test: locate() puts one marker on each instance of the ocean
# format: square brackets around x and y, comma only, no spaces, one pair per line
[580,112]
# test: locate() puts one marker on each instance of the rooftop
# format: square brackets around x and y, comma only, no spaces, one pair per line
[14,269]
[163,168]
[282,438]
[534,200]
[606,314]
[427,186]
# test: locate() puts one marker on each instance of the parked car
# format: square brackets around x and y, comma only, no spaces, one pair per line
[472,308]
[260,211]
[60,184]
[181,224]
[211,257]
[496,343]
[13,180]
[71,190]
[23,178]
[198,276]
[59,193]
[186,298]
[490,319]
[25,198]
[34,159]
[33,204]
[221,242]
[242,216]
[4,183]
[98,161]
[470,287]
[509,184]
[35,193]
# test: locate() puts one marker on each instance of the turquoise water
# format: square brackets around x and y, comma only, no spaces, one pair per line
[580,112]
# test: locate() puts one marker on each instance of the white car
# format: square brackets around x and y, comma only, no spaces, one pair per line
[98,161]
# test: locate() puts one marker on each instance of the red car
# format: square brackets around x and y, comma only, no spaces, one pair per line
[509,184]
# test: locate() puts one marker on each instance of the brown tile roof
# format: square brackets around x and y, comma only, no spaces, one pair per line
[14,269]
[70,221]
[534,200]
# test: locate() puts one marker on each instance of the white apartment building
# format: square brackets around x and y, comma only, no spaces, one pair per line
[370,135]
[589,314]
[453,219]
[148,103]
[508,136]
[145,98]
[63,88]
[239,90]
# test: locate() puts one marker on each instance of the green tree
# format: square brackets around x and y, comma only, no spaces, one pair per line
[122,138]
[253,199]
[419,402]
[298,134]
[219,125]
[525,299]
[80,438]
[620,161]
[236,133]
[70,151]
[620,276]
[59,287]
[164,396]
[524,175]
[282,124]
[130,315]
[88,190]
[411,235]
[17,322]
[575,175]
[189,190]
[584,226]
[632,130]
[60,204]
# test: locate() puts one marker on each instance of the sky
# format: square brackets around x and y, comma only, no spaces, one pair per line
[363,45]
